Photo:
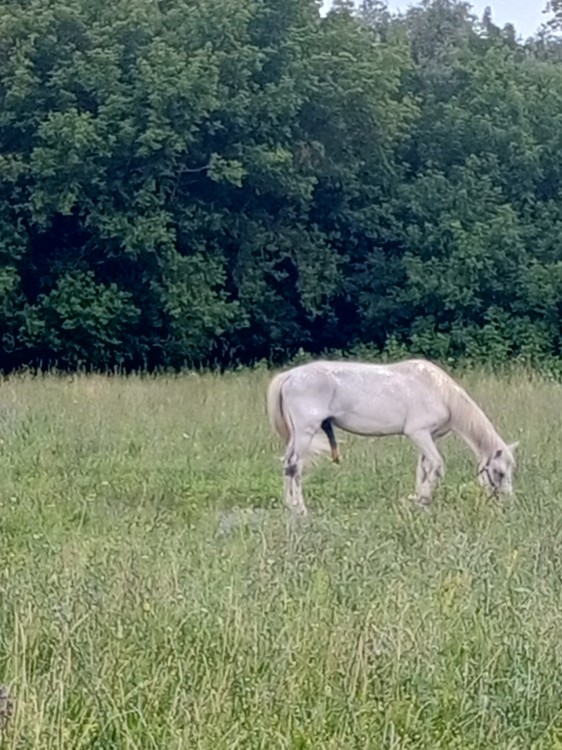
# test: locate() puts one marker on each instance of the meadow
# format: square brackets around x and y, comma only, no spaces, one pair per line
[154,592]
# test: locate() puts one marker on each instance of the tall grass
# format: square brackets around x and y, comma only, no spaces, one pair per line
[155,594]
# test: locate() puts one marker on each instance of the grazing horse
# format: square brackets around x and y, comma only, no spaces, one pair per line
[413,398]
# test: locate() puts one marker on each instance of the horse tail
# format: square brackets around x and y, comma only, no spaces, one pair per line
[281,422]
[277,418]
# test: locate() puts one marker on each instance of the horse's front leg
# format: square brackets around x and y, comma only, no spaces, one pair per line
[424,487]
[429,471]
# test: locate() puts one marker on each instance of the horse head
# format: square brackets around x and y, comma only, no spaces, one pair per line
[495,471]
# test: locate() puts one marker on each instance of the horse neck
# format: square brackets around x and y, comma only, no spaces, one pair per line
[470,422]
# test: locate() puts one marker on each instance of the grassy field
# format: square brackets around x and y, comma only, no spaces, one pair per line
[155,594]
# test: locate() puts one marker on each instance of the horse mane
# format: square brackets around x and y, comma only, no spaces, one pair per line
[467,418]
[470,421]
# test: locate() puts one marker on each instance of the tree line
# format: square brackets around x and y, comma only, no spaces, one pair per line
[187,183]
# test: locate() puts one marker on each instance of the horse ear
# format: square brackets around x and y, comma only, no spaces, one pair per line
[513,446]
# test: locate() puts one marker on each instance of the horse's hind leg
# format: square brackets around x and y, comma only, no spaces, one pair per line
[293,464]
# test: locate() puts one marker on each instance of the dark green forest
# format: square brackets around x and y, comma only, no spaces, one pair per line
[217,182]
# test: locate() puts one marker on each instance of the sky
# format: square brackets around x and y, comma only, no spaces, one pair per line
[525,15]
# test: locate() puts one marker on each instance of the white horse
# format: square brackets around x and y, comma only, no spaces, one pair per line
[413,398]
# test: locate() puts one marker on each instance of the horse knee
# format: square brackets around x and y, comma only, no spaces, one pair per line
[291,465]
[291,470]
[433,469]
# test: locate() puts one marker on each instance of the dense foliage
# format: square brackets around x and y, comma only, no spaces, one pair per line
[186,182]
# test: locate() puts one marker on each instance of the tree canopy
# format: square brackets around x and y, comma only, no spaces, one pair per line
[186,182]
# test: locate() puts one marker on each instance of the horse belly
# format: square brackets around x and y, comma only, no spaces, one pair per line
[368,420]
